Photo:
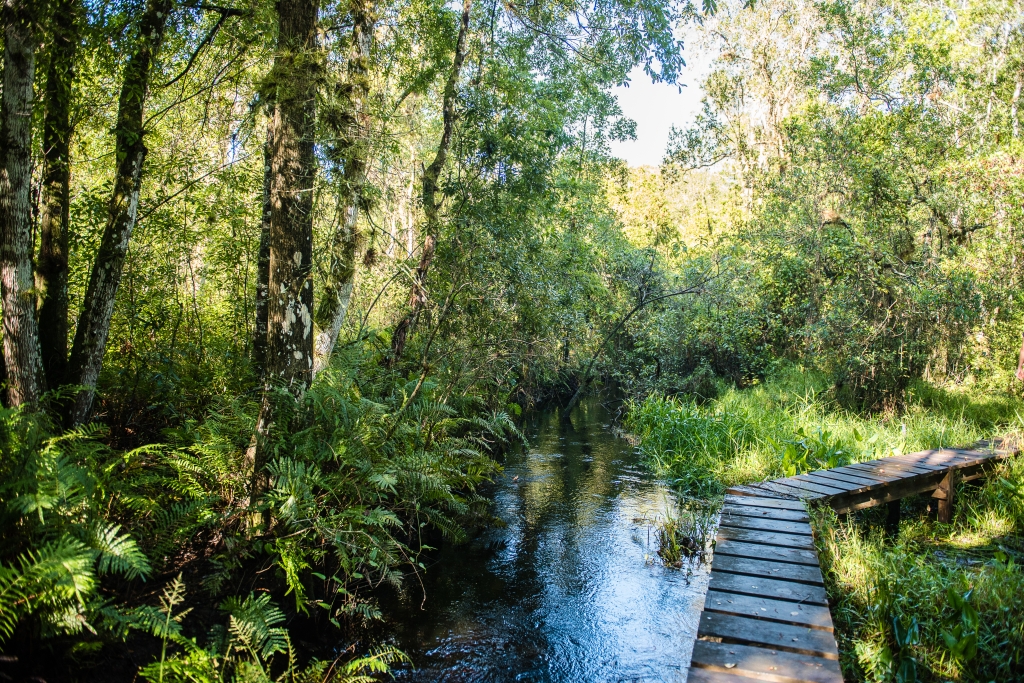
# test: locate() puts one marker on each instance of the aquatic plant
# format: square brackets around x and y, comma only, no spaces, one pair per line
[687,533]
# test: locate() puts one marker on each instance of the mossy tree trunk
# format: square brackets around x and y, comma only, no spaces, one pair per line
[55,202]
[21,333]
[130,152]
[291,130]
[354,144]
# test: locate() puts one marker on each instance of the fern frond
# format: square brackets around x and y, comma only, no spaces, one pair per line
[117,552]
[253,625]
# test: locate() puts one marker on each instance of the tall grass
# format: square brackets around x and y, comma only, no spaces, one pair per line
[959,586]
[743,436]
[940,602]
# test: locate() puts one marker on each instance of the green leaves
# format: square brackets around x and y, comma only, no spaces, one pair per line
[816,451]
[118,552]
[54,494]
[961,638]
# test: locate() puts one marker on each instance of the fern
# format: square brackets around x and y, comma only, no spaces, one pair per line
[53,581]
[117,552]
[254,626]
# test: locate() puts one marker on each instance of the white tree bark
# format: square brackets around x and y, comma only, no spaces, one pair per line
[21,349]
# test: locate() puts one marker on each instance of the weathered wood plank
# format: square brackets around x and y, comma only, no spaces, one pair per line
[818,480]
[785,637]
[791,490]
[695,675]
[893,468]
[754,492]
[866,472]
[765,502]
[806,484]
[767,524]
[766,538]
[862,479]
[767,568]
[775,589]
[766,552]
[798,614]
[846,481]
[764,664]
[894,491]
[766,513]
[919,463]
[766,600]
[889,465]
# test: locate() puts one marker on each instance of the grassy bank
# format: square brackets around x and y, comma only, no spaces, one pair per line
[939,602]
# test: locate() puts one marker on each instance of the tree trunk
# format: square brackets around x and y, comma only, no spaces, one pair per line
[21,333]
[289,366]
[130,152]
[431,205]
[259,341]
[337,295]
[54,214]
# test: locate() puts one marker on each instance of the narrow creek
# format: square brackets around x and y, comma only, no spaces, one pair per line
[571,589]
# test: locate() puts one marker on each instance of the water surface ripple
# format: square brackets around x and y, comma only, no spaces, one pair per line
[571,588]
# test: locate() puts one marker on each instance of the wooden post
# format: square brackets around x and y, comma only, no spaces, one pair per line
[945,492]
[892,518]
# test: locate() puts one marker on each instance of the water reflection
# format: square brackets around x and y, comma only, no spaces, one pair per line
[569,590]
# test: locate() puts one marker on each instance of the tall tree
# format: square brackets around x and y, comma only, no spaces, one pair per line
[130,153]
[354,123]
[21,334]
[55,204]
[291,130]
[431,204]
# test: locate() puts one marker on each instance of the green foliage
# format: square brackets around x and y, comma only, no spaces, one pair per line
[962,637]
[791,423]
[687,534]
[815,452]
[58,537]
[244,651]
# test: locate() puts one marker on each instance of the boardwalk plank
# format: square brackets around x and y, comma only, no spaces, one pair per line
[768,588]
[889,465]
[767,524]
[764,502]
[863,478]
[756,661]
[811,616]
[765,513]
[767,568]
[754,492]
[845,486]
[746,631]
[853,470]
[804,484]
[695,675]
[795,491]
[766,538]
[766,552]
[894,491]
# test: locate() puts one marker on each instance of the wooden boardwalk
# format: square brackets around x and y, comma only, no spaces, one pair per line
[766,615]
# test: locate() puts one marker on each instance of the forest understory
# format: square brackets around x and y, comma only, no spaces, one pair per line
[279,281]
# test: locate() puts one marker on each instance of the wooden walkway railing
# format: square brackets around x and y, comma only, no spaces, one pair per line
[766,614]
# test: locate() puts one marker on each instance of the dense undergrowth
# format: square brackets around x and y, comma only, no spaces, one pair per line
[939,602]
[102,545]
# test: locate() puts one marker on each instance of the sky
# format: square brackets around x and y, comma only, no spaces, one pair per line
[656,108]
